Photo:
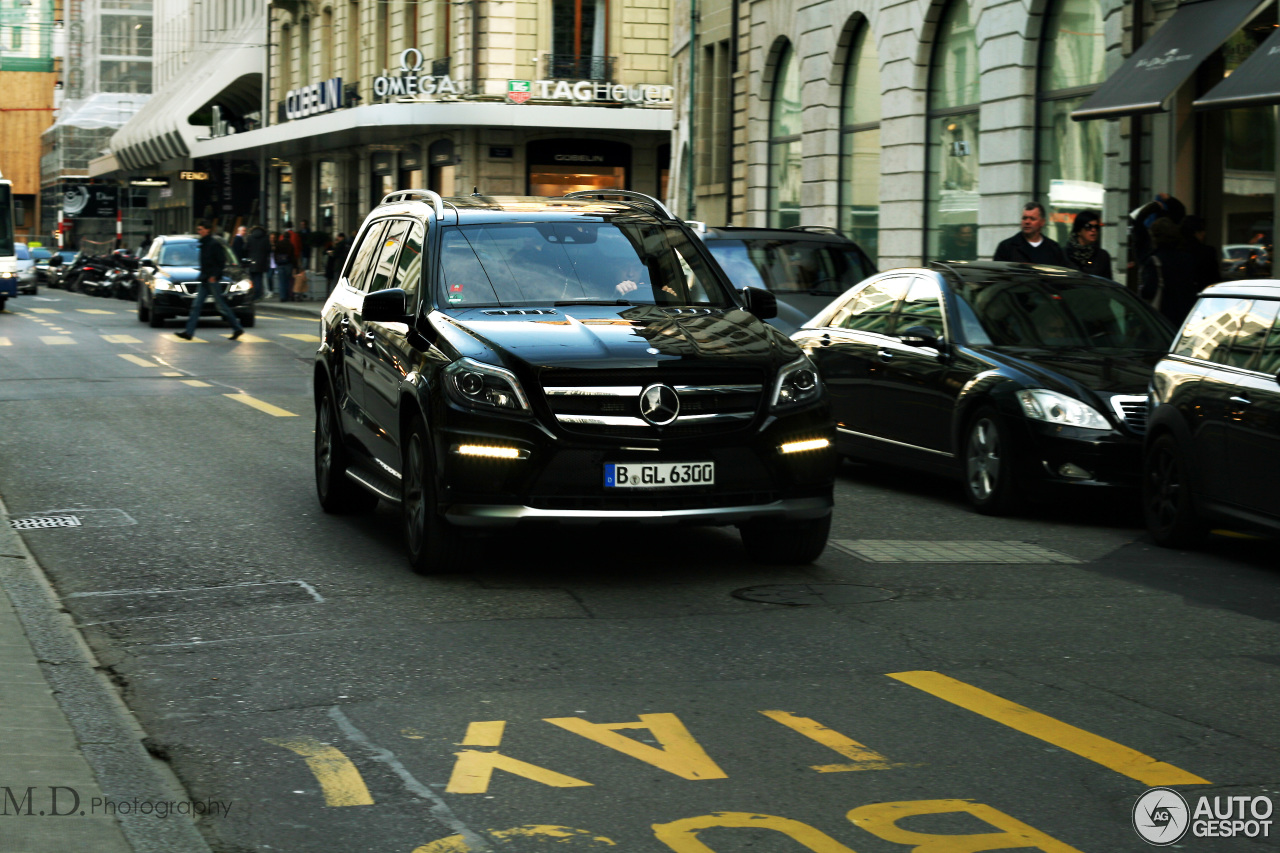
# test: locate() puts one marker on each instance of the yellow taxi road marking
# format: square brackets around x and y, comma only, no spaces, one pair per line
[1108,753]
[679,753]
[339,779]
[196,383]
[54,340]
[312,339]
[862,757]
[121,339]
[474,769]
[137,359]
[44,310]
[261,406]
[94,311]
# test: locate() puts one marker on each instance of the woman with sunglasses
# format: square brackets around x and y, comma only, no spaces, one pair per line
[1083,250]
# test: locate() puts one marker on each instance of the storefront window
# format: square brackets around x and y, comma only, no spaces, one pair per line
[559,166]
[1249,162]
[284,194]
[785,173]
[860,145]
[1069,175]
[952,209]
[327,194]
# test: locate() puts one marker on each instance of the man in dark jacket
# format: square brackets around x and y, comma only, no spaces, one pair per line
[258,258]
[1030,246]
[213,263]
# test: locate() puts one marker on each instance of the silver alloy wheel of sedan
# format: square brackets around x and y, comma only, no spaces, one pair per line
[988,474]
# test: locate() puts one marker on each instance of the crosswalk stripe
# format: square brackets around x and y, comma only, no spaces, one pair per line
[261,406]
[196,383]
[137,359]
[121,339]
[313,339]
[249,338]
[44,310]
[5,342]
[94,311]
[170,373]
[55,340]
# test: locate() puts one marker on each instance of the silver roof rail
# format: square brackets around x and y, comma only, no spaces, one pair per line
[697,225]
[436,202]
[624,194]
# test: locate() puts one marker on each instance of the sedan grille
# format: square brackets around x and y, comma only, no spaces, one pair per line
[1132,411]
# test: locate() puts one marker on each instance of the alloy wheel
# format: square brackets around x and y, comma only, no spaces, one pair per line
[414,504]
[983,459]
[324,443]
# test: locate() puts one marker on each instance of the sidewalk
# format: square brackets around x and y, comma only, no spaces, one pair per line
[67,742]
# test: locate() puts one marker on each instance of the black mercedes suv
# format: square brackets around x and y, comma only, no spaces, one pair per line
[491,361]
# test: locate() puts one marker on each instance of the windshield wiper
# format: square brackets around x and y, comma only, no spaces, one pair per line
[590,301]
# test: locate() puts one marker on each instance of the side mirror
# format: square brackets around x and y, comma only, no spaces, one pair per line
[55,261]
[920,336]
[148,263]
[760,302]
[386,306]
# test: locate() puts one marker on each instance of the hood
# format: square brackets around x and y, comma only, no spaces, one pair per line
[181,274]
[627,337]
[1081,371]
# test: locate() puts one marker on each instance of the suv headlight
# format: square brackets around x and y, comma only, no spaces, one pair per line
[798,383]
[484,386]
[1052,407]
[242,286]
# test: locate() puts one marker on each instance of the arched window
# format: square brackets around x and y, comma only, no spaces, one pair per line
[784,144]
[951,214]
[860,144]
[1070,153]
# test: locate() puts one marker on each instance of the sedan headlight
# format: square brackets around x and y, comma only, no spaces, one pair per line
[797,384]
[484,386]
[1052,407]
[242,286]
[167,284]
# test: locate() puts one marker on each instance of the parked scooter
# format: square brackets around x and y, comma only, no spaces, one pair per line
[124,277]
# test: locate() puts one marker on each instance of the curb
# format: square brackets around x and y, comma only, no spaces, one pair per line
[106,732]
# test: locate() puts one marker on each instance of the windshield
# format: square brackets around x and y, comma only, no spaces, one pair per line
[41,254]
[23,254]
[1060,315]
[565,263]
[791,266]
[187,254]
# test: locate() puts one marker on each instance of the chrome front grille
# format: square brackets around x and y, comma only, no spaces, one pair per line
[614,410]
[1132,412]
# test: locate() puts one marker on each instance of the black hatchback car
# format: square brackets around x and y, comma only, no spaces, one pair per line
[1213,446]
[804,267]
[1015,378]
[488,362]
[169,275]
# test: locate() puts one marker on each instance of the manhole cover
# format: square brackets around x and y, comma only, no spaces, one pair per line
[804,594]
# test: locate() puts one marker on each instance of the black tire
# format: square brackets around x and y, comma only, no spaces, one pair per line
[2,301]
[338,493]
[156,320]
[785,542]
[144,313]
[433,543]
[1167,503]
[989,483]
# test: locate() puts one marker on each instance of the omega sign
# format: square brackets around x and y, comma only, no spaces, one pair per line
[410,82]
[314,99]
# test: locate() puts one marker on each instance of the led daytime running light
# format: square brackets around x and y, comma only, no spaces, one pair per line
[488,451]
[809,444]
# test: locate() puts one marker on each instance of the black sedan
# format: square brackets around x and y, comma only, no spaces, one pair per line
[168,277]
[1014,378]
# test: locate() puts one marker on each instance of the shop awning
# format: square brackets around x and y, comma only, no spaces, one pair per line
[1256,83]
[160,131]
[1146,80]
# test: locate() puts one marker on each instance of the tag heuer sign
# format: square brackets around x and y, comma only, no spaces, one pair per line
[519,91]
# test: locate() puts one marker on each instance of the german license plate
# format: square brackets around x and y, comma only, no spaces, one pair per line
[634,475]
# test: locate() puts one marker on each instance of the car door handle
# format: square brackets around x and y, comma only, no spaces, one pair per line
[826,339]
[1241,401]
[884,355]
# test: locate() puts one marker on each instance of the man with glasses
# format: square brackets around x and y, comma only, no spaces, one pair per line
[1029,245]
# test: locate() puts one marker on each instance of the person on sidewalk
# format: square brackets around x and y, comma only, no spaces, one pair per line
[1082,250]
[282,252]
[1030,246]
[258,260]
[213,263]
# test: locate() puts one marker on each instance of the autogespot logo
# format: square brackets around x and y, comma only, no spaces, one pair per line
[1161,817]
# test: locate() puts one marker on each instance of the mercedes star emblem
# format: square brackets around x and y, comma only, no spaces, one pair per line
[659,405]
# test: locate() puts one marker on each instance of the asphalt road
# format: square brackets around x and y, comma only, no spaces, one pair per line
[934,674]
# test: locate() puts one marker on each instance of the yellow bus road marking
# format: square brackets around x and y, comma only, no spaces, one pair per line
[94,311]
[121,339]
[862,757]
[44,310]
[338,777]
[275,411]
[1108,753]
[196,383]
[137,359]
[311,339]
[55,340]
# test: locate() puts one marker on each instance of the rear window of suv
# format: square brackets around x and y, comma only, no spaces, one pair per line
[791,266]
[571,262]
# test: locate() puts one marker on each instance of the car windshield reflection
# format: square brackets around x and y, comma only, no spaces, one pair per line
[790,266]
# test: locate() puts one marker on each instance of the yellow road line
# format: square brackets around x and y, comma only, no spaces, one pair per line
[862,757]
[170,373]
[121,339]
[94,311]
[196,383]
[250,338]
[339,779]
[275,411]
[44,310]
[314,339]
[54,340]
[137,359]
[5,342]
[1108,753]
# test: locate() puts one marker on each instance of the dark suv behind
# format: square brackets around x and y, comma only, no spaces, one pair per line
[1213,436]
[488,362]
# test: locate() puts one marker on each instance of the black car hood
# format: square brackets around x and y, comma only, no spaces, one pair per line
[626,337]
[181,273]
[1084,370]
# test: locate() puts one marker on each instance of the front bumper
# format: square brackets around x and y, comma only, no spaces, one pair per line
[1056,457]
[180,302]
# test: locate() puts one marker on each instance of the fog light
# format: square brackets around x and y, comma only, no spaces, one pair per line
[1074,472]
[489,451]
[801,446]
